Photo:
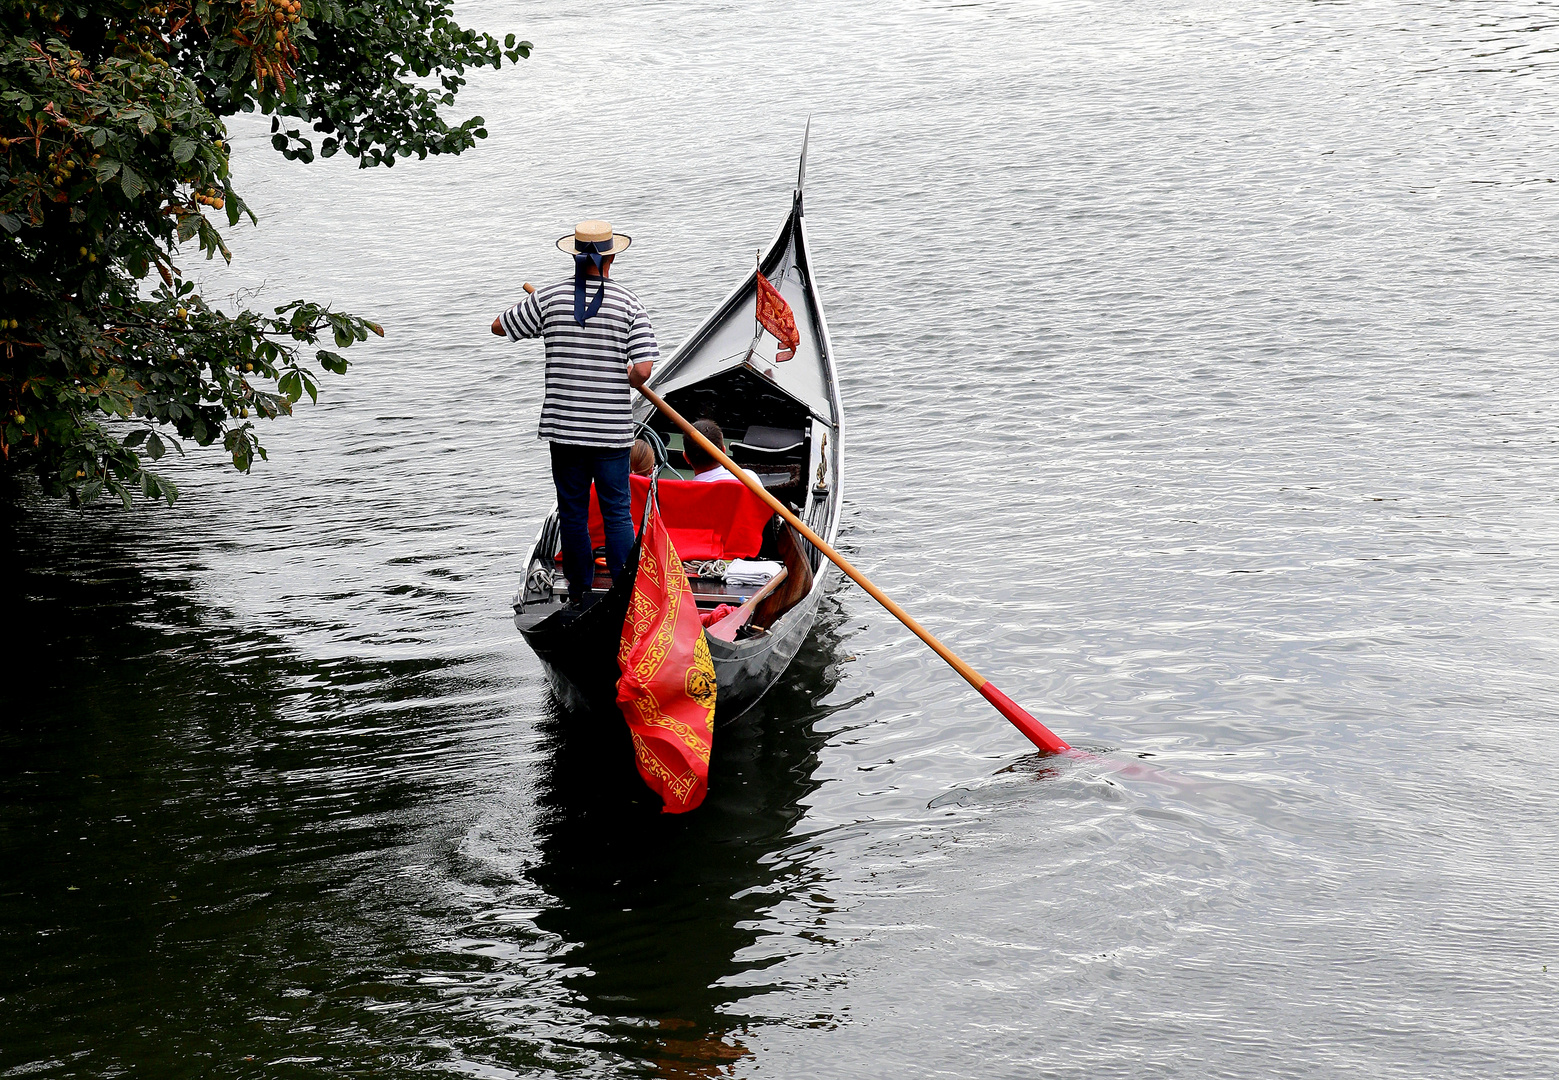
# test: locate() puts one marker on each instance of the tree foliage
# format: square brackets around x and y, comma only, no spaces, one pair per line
[113,157]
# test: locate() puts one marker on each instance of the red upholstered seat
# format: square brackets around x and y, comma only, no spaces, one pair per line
[717,519]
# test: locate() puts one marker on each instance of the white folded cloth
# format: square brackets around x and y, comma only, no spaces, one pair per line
[751,571]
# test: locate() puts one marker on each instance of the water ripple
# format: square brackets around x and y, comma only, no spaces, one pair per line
[1196,371]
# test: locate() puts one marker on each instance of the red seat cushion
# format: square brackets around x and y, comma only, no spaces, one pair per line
[715,519]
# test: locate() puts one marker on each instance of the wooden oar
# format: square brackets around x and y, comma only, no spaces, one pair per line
[726,628]
[1037,733]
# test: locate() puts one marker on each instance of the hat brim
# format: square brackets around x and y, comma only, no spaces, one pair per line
[620,243]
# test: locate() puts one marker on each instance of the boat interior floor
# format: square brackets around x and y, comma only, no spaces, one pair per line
[710,590]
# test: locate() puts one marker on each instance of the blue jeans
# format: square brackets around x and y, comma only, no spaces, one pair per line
[573,469]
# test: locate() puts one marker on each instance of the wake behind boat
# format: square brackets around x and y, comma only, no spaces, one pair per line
[781,417]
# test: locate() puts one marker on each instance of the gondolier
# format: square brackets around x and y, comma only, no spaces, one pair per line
[784,423]
[599,346]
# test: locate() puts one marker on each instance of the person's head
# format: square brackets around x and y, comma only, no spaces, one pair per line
[594,245]
[696,455]
[641,459]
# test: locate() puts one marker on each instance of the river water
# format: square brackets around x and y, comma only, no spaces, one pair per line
[1198,369]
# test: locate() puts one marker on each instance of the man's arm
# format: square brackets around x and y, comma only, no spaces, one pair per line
[642,351]
[524,318]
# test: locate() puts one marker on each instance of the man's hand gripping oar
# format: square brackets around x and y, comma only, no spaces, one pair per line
[1037,733]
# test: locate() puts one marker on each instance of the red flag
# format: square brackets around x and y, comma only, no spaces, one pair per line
[667,688]
[775,316]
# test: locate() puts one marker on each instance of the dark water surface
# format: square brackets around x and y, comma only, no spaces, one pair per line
[1198,365]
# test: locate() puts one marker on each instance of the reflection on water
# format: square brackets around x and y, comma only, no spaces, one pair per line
[182,843]
[213,845]
[653,910]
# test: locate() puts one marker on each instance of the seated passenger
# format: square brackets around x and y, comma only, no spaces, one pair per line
[641,459]
[705,467]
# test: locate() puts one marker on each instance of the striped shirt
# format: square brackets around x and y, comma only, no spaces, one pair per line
[588,400]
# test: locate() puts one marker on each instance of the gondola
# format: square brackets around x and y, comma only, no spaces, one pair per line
[782,420]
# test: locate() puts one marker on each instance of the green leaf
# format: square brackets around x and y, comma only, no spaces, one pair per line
[130,180]
[154,447]
[189,225]
[106,168]
[183,149]
[135,438]
[333,361]
[119,489]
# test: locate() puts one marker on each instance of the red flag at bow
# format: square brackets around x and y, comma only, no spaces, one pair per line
[667,688]
[775,316]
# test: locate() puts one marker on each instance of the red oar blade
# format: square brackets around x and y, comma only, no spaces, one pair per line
[1037,733]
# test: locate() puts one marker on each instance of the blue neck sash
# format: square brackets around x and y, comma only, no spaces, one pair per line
[587,253]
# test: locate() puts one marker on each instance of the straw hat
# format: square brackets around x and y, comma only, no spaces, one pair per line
[594,232]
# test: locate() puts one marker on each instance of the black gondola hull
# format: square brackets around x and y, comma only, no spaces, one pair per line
[580,653]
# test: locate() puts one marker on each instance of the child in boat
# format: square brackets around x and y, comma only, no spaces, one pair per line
[641,459]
